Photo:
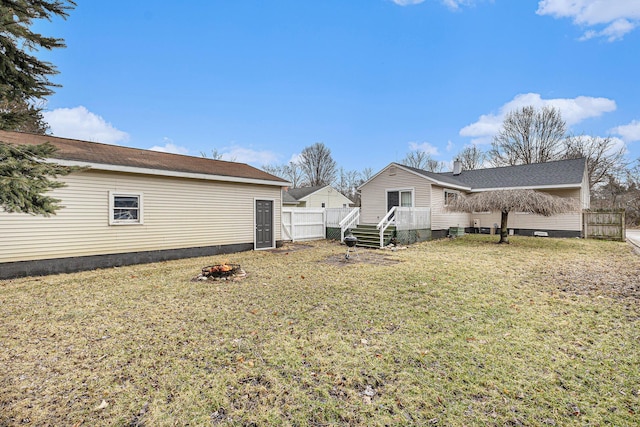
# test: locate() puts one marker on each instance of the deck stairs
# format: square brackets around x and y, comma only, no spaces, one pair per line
[369,236]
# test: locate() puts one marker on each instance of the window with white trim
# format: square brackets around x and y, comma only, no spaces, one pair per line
[450,196]
[125,208]
[406,199]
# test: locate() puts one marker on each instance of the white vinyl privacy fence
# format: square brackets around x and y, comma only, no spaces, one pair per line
[310,223]
[303,224]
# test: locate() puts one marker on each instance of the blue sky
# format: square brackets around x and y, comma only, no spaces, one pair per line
[371,79]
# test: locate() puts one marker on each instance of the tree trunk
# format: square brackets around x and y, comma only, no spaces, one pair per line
[504,232]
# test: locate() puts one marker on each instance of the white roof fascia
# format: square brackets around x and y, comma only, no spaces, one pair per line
[448,185]
[530,187]
[167,173]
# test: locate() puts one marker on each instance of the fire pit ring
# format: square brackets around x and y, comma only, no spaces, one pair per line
[220,270]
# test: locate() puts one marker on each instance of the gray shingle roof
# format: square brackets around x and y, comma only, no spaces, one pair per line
[287,199]
[299,193]
[550,174]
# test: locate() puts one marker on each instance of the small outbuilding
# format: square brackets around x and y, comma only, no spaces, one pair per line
[133,206]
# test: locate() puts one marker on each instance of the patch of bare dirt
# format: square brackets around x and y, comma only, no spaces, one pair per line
[600,278]
[290,247]
[361,256]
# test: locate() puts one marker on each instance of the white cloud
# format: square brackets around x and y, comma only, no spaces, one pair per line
[630,132]
[240,154]
[618,17]
[295,158]
[451,4]
[425,147]
[450,146]
[170,147]
[573,111]
[80,123]
[407,2]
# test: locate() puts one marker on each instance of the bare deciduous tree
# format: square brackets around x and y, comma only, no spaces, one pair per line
[422,160]
[506,201]
[632,203]
[317,165]
[366,175]
[215,155]
[471,158]
[603,157]
[528,136]
[347,183]
[292,172]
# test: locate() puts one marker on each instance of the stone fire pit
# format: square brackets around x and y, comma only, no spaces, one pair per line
[223,271]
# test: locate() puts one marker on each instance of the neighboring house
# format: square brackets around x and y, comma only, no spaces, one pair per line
[288,200]
[133,206]
[399,185]
[319,197]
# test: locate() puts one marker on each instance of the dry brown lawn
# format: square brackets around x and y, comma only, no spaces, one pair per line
[450,332]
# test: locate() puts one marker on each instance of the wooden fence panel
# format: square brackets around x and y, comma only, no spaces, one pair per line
[608,225]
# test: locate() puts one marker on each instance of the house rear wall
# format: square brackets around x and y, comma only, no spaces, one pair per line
[374,199]
[442,219]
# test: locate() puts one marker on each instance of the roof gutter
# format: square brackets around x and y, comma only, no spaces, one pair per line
[529,187]
[167,173]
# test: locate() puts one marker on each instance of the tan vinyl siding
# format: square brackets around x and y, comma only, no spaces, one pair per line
[565,222]
[178,213]
[374,193]
[441,218]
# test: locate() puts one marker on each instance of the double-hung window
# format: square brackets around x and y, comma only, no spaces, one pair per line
[125,208]
[450,197]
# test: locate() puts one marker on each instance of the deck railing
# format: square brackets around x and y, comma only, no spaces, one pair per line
[413,218]
[388,219]
[351,219]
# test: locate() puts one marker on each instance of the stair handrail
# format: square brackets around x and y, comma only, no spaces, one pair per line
[347,221]
[385,223]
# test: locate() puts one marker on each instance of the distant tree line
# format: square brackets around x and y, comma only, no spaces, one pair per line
[527,135]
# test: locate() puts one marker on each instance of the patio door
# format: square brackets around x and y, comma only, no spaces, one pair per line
[264,224]
[401,198]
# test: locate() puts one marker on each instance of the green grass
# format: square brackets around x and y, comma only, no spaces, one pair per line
[457,332]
